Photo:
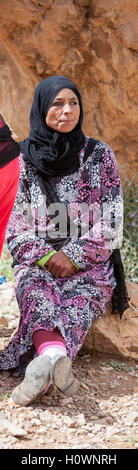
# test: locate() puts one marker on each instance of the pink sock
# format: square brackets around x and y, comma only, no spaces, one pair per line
[45,340]
[49,342]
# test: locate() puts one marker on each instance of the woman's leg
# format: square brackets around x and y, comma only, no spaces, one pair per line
[52,345]
[84,299]
[51,366]
[38,296]
[46,304]
[49,342]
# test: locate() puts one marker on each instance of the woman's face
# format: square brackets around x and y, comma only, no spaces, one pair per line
[64,112]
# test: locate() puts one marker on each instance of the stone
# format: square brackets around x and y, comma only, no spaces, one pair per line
[116,336]
[132,418]
[65,401]
[11,428]
[3,321]
[95,44]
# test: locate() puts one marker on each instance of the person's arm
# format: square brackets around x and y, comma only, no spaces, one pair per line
[9,149]
[25,242]
[106,234]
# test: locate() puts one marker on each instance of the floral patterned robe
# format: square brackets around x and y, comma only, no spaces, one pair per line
[71,304]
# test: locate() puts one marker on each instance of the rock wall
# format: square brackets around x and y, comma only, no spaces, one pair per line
[91,41]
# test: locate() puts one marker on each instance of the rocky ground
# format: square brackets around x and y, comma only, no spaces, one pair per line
[104,415]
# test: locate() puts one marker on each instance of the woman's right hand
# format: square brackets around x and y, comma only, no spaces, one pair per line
[60,266]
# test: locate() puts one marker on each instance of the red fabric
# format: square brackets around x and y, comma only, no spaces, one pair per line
[44,336]
[9,179]
[1,124]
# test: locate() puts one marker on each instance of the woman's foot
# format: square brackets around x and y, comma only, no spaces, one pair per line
[62,376]
[37,378]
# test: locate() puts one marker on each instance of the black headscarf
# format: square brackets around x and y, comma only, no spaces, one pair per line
[52,153]
[9,149]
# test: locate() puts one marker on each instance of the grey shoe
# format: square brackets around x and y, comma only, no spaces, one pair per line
[62,376]
[37,378]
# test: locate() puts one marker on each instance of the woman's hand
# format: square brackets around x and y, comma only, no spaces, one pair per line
[60,266]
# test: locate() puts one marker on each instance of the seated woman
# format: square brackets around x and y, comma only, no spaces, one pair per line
[64,235]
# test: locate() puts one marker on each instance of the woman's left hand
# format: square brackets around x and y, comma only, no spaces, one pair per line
[60,266]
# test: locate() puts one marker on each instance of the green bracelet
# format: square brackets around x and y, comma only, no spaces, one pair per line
[42,261]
